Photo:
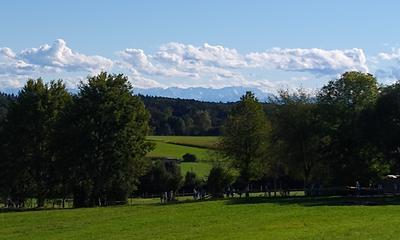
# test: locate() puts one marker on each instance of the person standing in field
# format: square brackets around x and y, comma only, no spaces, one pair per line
[358,188]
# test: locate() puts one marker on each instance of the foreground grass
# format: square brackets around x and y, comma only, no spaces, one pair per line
[257,218]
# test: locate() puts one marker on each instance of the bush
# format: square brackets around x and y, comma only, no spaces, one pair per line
[217,180]
[161,177]
[188,157]
[191,182]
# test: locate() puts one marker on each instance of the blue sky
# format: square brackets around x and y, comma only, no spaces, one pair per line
[266,44]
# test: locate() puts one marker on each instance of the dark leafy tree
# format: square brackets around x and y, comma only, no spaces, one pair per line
[340,104]
[296,135]
[245,137]
[384,122]
[107,130]
[29,130]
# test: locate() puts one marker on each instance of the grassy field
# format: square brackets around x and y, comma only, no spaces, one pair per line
[177,146]
[201,169]
[257,218]
[201,141]
[163,149]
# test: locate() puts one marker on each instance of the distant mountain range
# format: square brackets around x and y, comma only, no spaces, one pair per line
[226,94]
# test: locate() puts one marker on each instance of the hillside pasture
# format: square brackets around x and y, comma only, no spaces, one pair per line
[176,146]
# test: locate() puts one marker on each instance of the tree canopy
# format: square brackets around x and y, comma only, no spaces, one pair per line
[245,137]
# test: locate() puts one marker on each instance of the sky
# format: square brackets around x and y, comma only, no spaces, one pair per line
[265,44]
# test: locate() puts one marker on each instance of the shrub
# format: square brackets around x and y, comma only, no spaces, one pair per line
[217,180]
[188,157]
[191,182]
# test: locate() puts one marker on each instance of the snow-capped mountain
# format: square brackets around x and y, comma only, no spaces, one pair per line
[226,94]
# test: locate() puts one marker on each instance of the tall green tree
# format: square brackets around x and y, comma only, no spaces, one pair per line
[107,131]
[245,137]
[385,124]
[296,134]
[29,130]
[340,104]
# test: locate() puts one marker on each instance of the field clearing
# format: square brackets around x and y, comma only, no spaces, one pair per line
[176,146]
[201,169]
[163,149]
[194,141]
[254,218]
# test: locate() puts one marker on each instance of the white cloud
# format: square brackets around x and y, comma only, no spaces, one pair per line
[45,60]
[225,66]
[394,55]
[137,60]
[178,64]
[314,60]
[7,53]
[59,55]
[206,55]
[205,65]
[387,65]
[49,58]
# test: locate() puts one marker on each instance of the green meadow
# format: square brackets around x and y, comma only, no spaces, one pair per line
[195,141]
[253,218]
[177,146]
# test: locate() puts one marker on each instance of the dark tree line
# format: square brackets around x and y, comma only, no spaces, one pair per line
[89,146]
[185,117]
[348,132]
[5,101]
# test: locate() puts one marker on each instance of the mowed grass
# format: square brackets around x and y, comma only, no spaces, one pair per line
[257,218]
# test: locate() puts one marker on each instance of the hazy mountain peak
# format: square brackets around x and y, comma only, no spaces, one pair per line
[226,94]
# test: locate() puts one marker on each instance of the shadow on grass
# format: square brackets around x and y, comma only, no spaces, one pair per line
[321,201]
[294,200]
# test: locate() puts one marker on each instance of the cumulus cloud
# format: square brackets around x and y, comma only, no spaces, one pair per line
[59,55]
[138,61]
[388,65]
[206,55]
[7,53]
[394,55]
[44,60]
[219,63]
[314,60]
[185,61]
[178,64]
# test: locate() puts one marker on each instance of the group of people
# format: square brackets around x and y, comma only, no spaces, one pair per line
[199,194]
[167,197]
[231,192]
